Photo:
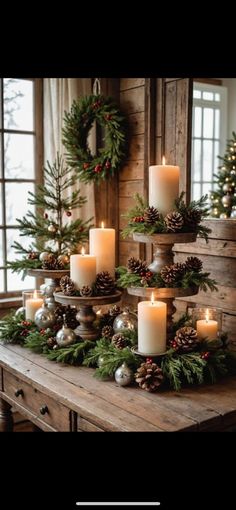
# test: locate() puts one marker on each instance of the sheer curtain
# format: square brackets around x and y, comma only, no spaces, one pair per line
[59,94]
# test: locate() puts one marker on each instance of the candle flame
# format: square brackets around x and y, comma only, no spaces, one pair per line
[102,224]
[207,315]
[35,294]
[163,160]
[152,298]
[82,250]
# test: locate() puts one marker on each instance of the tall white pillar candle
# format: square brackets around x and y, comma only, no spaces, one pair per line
[32,305]
[82,270]
[152,327]
[102,244]
[163,187]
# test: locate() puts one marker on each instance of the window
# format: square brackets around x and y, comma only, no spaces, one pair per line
[208,135]
[20,168]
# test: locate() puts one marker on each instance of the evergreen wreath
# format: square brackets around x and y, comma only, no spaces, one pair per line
[77,124]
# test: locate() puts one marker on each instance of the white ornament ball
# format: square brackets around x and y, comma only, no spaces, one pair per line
[43,256]
[124,375]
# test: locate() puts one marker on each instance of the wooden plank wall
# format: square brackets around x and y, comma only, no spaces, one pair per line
[219,258]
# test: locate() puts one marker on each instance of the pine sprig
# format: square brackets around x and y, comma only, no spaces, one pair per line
[183,368]
[14,329]
[73,354]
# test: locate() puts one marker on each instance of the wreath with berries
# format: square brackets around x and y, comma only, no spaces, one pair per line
[77,124]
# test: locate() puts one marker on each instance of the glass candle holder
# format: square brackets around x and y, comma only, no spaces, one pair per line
[207,322]
[32,301]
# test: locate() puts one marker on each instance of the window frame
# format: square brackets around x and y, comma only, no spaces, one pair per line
[38,154]
[222,106]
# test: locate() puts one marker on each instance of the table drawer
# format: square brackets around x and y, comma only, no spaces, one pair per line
[43,407]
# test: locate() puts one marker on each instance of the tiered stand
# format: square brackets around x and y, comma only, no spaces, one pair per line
[53,285]
[86,315]
[163,256]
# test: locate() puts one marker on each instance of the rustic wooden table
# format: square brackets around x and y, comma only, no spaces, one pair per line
[59,397]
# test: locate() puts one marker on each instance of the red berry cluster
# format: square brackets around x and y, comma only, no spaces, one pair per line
[26,323]
[24,332]
[108,164]
[108,117]
[205,355]
[146,274]
[98,169]
[174,344]
[96,104]
[85,166]
[138,219]
[149,360]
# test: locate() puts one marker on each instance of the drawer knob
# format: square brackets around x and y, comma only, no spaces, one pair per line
[44,409]
[19,392]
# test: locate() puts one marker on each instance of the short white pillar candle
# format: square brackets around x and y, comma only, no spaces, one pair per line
[207,328]
[82,269]
[152,327]
[32,304]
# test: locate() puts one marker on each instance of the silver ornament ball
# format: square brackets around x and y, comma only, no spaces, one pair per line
[44,317]
[20,311]
[226,200]
[65,336]
[227,187]
[44,256]
[124,375]
[233,212]
[125,321]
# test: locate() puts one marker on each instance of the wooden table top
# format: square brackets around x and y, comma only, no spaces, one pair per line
[113,408]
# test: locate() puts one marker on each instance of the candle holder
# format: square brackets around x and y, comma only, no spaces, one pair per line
[86,315]
[207,321]
[32,301]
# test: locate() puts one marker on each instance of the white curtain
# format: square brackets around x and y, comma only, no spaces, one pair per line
[59,94]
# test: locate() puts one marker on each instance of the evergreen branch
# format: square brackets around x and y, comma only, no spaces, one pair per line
[73,354]
[14,329]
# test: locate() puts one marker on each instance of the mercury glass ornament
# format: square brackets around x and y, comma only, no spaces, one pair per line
[125,320]
[65,336]
[43,256]
[124,375]
[226,201]
[233,212]
[20,311]
[44,317]
[63,259]
[227,187]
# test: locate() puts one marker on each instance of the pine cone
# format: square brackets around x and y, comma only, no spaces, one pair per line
[51,341]
[149,376]
[114,311]
[105,284]
[120,341]
[105,320]
[193,264]
[67,286]
[32,255]
[173,273]
[107,332]
[151,215]
[50,262]
[174,221]
[185,339]
[136,266]
[192,218]
[86,291]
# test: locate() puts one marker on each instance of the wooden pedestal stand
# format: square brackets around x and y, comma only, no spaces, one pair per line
[164,256]
[86,315]
[53,285]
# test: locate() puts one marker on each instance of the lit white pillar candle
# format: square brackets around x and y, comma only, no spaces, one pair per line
[82,269]
[163,187]
[152,327]
[207,328]
[102,244]
[32,305]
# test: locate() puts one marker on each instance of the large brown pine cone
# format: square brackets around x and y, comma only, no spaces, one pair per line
[151,215]
[120,341]
[185,339]
[149,376]
[192,218]
[67,286]
[33,255]
[50,262]
[105,284]
[193,264]
[136,266]
[172,274]
[174,221]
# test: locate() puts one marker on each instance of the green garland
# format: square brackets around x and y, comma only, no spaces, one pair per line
[197,210]
[208,362]
[77,124]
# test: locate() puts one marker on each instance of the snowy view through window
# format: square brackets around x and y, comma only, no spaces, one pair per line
[17,173]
